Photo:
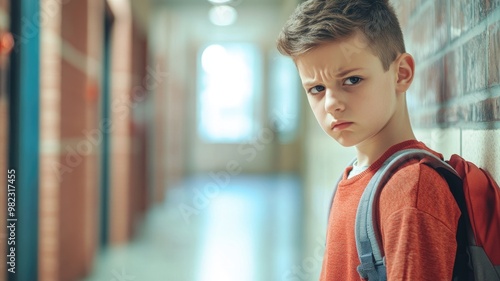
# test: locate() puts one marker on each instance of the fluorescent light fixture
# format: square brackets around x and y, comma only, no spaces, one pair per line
[219,1]
[222,15]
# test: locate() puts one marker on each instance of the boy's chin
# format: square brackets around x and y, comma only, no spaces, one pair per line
[345,142]
[345,139]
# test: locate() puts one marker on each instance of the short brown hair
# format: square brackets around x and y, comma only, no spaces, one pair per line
[315,22]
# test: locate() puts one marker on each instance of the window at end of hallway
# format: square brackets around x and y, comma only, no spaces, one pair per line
[228,84]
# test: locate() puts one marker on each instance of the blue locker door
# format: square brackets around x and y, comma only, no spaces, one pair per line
[24,135]
[106,105]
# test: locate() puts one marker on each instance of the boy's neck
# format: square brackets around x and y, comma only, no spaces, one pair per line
[367,155]
[397,130]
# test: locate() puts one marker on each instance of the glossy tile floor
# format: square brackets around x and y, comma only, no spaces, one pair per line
[245,228]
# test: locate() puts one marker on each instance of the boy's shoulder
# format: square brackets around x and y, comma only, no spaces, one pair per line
[420,187]
[414,177]
[409,144]
[405,145]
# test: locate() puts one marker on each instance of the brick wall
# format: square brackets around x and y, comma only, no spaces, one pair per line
[121,142]
[75,107]
[72,130]
[456,46]
[141,81]
[455,98]
[69,179]
[130,85]
[50,56]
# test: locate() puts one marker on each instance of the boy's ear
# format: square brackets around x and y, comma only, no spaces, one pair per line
[405,68]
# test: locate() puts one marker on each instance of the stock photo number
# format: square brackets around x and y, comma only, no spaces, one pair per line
[11,220]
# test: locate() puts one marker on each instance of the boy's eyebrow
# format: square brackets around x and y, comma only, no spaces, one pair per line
[347,71]
[342,73]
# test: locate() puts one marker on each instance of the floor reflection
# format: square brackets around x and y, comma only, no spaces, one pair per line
[245,228]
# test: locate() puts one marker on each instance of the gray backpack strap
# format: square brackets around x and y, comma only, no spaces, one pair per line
[372,264]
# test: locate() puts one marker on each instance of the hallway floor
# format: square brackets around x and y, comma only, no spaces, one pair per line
[245,228]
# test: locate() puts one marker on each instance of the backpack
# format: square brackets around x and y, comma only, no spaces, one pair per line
[478,233]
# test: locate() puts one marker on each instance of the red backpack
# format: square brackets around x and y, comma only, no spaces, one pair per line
[482,200]
[478,234]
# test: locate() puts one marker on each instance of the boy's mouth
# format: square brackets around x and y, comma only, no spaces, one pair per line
[340,125]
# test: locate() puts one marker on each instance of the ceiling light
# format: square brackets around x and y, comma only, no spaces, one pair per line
[219,1]
[222,15]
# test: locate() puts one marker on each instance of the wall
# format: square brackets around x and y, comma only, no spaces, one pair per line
[158,42]
[168,53]
[72,130]
[454,100]
[69,162]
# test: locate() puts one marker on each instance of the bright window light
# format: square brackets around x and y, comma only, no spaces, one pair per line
[227,92]
[222,15]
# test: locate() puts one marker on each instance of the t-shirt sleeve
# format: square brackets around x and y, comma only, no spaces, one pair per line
[418,222]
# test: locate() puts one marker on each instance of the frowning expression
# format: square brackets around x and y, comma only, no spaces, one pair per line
[350,94]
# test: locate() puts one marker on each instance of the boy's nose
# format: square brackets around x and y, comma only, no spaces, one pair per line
[332,102]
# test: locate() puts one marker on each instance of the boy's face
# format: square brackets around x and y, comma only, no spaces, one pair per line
[350,94]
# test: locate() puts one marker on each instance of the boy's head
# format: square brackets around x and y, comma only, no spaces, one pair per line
[352,62]
[316,22]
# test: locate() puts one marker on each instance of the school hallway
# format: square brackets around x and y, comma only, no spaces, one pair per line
[150,140]
[248,230]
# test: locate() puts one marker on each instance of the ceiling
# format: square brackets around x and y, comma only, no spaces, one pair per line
[142,9]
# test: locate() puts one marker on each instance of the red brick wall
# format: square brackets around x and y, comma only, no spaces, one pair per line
[71,54]
[71,134]
[120,169]
[139,125]
[50,174]
[456,45]
[72,188]
[129,91]
[69,170]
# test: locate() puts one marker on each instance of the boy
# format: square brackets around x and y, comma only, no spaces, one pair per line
[352,62]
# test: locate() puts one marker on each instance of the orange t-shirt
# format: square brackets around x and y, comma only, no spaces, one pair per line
[418,219]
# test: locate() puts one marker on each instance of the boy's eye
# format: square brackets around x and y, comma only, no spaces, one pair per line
[316,90]
[352,80]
